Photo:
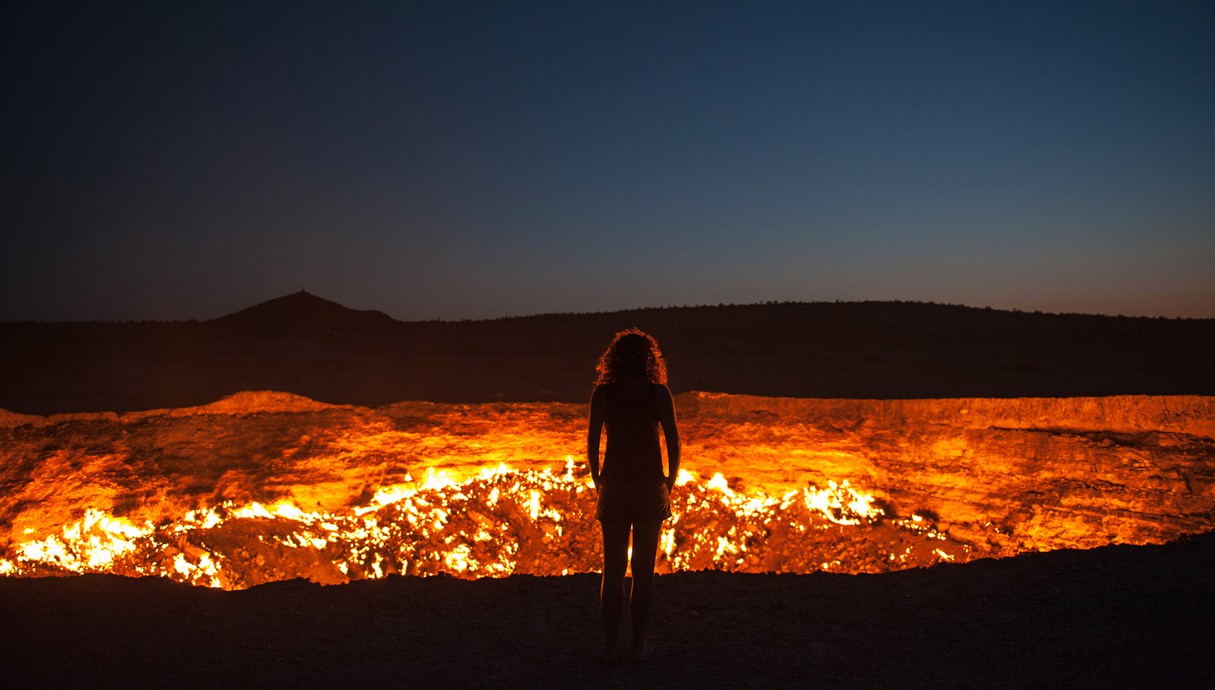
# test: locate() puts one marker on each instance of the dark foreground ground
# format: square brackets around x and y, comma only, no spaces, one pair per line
[1118,616]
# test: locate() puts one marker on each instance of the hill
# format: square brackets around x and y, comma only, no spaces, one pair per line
[307,345]
[302,313]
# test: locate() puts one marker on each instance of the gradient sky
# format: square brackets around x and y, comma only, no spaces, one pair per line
[463,160]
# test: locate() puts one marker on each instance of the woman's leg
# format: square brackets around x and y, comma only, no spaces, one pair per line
[611,589]
[645,551]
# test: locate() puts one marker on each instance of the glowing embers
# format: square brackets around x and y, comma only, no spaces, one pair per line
[498,522]
[89,544]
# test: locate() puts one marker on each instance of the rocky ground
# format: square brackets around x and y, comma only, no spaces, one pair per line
[985,477]
[1118,616]
[1112,616]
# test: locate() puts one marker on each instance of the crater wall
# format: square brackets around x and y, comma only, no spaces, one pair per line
[985,477]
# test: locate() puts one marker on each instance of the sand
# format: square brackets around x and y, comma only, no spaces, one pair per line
[1117,616]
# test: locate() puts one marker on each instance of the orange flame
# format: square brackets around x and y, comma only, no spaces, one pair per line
[500,522]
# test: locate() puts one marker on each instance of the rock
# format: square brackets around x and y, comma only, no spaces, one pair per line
[997,475]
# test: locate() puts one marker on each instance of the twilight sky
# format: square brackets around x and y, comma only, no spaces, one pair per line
[463,160]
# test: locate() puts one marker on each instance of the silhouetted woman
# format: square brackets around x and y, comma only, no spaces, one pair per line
[632,400]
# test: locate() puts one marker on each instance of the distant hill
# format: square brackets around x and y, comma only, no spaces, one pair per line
[302,313]
[304,344]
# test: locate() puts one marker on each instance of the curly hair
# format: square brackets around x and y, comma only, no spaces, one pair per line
[632,352]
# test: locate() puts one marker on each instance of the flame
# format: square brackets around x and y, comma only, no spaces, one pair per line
[830,504]
[497,522]
[338,493]
[89,544]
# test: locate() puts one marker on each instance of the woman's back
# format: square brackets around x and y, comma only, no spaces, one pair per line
[631,415]
[632,401]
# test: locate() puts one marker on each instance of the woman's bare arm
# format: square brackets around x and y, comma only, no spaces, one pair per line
[666,416]
[593,433]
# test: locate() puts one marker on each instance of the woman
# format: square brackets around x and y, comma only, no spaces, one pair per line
[632,400]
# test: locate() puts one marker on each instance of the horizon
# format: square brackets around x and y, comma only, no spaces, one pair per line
[479,161]
[356,308]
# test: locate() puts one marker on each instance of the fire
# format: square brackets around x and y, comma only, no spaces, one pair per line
[267,486]
[90,544]
[500,522]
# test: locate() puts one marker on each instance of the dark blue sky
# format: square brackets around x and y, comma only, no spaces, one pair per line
[466,160]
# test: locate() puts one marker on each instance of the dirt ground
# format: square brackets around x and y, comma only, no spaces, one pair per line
[1118,616]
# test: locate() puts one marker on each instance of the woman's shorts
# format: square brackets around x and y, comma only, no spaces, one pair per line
[621,502]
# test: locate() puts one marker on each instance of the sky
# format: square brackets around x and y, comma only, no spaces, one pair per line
[461,160]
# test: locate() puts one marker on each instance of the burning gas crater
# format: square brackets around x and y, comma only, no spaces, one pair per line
[500,522]
[263,487]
